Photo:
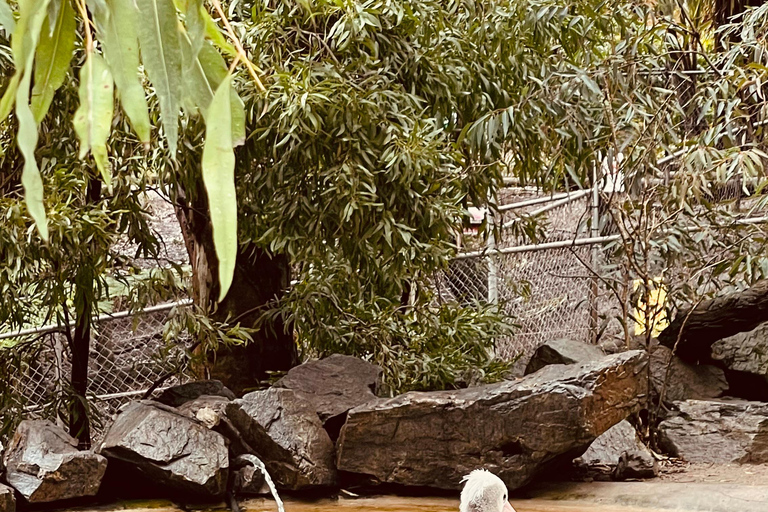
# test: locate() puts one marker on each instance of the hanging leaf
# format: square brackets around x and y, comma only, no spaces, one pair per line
[117,27]
[54,53]
[25,38]
[219,181]
[202,79]
[6,17]
[161,53]
[93,118]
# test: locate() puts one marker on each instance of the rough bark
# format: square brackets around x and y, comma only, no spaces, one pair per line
[260,278]
[715,319]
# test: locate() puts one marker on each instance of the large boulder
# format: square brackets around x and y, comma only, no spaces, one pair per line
[334,385]
[744,352]
[7,499]
[286,433]
[168,448]
[178,395]
[562,351]
[684,380]
[720,431]
[618,453]
[43,464]
[514,429]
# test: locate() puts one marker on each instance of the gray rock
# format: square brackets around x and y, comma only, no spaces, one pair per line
[7,499]
[334,385]
[247,479]
[562,351]
[685,380]
[43,464]
[514,429]
[744,352]
[618,442]
[722,431]
[171,449]
[286,433]
[638,464]
[178,395]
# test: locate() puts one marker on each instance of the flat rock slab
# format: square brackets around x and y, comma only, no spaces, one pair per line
[171,449]
[286,433]
[334,385]
[562,351]
[7,499]
[514,429]
[720,431]
[178,395]
[43,464]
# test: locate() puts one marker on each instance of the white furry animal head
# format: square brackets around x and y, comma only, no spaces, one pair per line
[484,492]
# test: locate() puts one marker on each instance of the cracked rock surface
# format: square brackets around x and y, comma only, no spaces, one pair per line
[169,448]
[43,464]
[286,433]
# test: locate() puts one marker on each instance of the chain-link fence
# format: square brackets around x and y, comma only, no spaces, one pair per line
[546,289]
[128,356]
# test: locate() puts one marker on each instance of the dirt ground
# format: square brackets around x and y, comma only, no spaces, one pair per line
[683,472]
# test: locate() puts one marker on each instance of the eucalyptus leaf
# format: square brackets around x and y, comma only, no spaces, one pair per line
[219,180]
[158,32]
[54,52]
[117,26]
[32,14]
[93,118]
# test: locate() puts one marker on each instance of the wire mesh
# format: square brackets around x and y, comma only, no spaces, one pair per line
[128,356]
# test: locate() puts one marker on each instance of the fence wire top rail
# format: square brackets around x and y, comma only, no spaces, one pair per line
[51,328]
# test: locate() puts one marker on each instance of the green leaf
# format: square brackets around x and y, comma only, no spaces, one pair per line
[203,78]
[117,27]
[6,102]
[93,118]
[215,35]
[25,38]
[161,53]
[54,52]
[6,18]
[219,181]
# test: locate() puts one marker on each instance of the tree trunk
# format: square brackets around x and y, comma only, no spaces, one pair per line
[716,319]
[79,422]
[80,341]
[260,278]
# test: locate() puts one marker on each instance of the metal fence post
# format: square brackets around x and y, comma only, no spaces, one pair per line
[493,278]
[594,233]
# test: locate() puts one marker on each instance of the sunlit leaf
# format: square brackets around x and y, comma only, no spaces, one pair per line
[161,54]
[52,60]
[93,118]
[219,180]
